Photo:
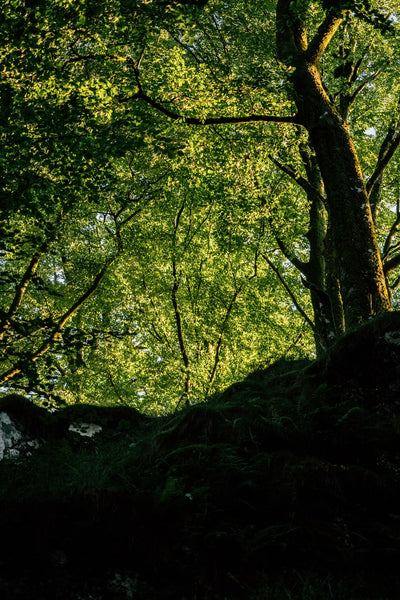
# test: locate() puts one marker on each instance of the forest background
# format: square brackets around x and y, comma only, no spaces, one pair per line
[191,191]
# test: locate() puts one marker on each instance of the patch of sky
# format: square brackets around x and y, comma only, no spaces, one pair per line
[371,132]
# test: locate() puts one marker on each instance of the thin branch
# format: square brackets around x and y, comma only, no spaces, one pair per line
[289,291]
[55,334]
[175,304]
[296,262]
[388,148]
[114,387]
[217,356]
[388,248]
[86,57]
[141,95]
[301,181]
[395,284]
[293,343]
[217,27]
[354,95]
[389,264]
[161,337]
[20,292]
[198,60]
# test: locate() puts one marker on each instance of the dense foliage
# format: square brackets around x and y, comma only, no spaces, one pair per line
[166,224]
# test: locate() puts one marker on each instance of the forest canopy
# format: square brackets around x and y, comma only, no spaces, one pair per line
[191,190]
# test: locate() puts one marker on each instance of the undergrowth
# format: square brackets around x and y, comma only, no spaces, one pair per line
[285,486]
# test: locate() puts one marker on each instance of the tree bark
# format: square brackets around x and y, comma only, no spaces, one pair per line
[362,282]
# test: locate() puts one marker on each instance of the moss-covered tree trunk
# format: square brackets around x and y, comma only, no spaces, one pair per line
[358,264]
[321,276]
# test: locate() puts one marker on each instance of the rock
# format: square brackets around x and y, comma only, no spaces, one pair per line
[9,435]
[13,443]
[85,429]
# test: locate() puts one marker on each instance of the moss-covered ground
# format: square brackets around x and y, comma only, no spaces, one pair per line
[285,486]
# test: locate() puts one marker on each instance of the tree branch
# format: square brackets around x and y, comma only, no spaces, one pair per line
[289,291]
[360,88]
[291,37]
[177,312]
[55,334]
[391,264]
[388,248]
[388,148]
[325,33]
[20,292]
[141,95]
[301,181]
[296,262]
[217,356]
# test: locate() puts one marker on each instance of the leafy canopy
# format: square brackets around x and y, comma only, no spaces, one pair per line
[153,206]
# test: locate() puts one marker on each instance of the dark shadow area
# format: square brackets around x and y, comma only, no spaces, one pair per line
[287,485]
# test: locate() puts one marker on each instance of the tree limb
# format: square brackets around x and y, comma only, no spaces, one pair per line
[55,334]
[301,181]
[388,148]
[141,95]
[177,312]
[289,291]
[388,248]
[360,88]
[292,258]
[391,264]
[20,292]
[217,355]
[325,33]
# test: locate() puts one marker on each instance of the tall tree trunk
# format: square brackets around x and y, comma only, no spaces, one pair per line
[318,275]
[362,282]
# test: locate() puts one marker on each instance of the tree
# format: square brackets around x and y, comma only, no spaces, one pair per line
[345,271]
[168,165]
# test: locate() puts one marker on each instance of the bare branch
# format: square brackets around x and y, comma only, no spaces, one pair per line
[296,262]
[289,291]
[388,148]
[301,181]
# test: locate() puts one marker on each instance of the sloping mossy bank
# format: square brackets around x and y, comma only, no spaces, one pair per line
[287,485]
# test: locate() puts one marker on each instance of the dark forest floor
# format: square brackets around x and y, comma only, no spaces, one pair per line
[285,486]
